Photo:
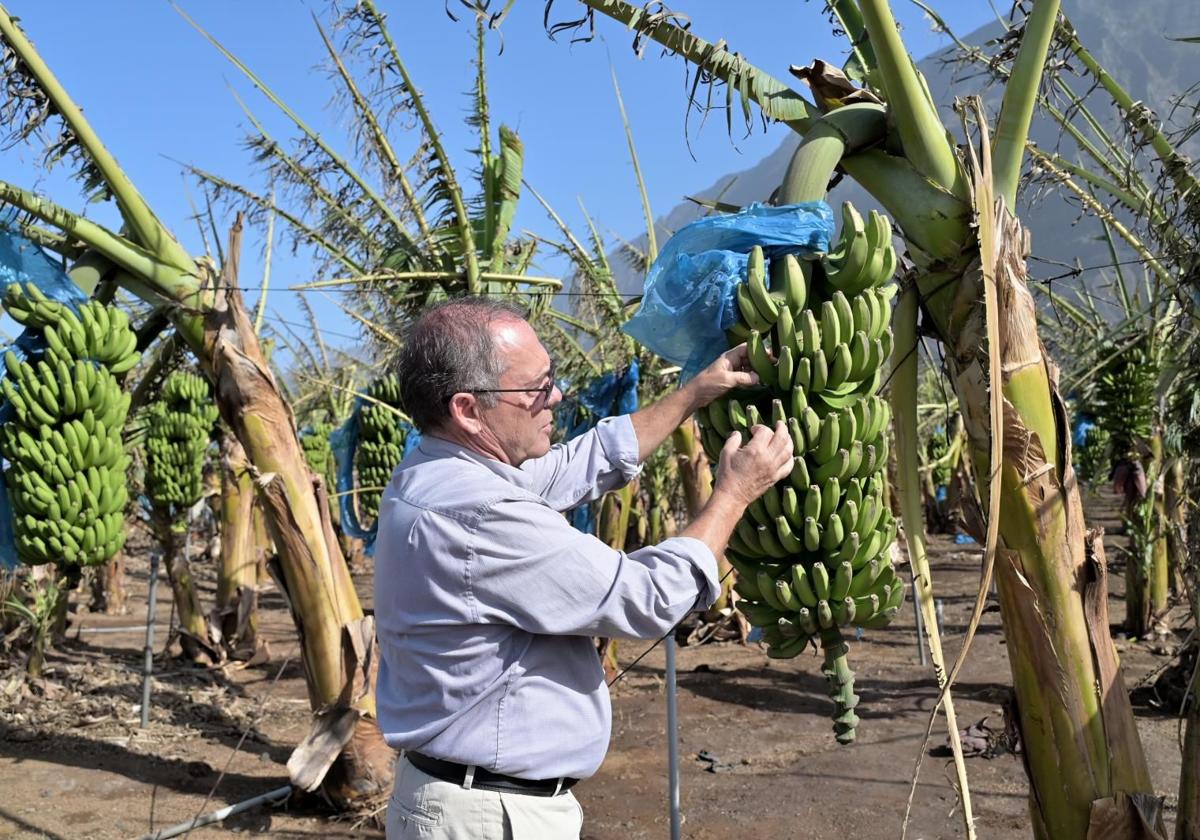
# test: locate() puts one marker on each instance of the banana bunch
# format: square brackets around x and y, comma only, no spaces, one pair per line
[380,441]
[813,554]
[1124,401]
[314,440]
[179,426]
[936,449]
[67,459]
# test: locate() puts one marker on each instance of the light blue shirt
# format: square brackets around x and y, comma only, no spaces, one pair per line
[486,599]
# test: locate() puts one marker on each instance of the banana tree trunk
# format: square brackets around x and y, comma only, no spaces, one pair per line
[612,526]
[1175,497]
[1139,523]
[697,479]
[1160,568]
[108,587]
[1083,755]
[1147,574]
[263,547]
[344,754]
[237,576]
[1084,759]
[194,636]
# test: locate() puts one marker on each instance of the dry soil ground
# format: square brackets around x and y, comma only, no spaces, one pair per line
[74,764]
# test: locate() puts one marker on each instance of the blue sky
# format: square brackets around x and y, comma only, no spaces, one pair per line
[158,93]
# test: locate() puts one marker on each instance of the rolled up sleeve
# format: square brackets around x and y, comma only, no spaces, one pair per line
[585,468]
[529,568]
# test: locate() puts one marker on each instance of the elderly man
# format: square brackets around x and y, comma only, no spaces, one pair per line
[486,599]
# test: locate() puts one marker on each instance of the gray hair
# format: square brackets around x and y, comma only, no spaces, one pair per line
[449,350]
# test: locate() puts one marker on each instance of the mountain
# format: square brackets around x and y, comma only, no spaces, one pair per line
[1130,41]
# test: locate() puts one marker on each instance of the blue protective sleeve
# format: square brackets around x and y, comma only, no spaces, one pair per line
[607,396]
[688,302]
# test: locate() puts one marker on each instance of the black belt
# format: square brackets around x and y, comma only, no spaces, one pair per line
[449,771]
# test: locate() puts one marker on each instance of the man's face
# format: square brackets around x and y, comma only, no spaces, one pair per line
[520,422]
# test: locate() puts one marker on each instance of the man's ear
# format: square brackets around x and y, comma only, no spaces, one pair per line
[464,413]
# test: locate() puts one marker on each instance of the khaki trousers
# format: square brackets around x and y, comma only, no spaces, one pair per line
[423,807]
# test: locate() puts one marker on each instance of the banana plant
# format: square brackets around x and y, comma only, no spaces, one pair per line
[1130,172]
[396,233]
[968,280]
[1124,372]
[203,302]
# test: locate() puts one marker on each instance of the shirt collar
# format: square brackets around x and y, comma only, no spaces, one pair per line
[432,446]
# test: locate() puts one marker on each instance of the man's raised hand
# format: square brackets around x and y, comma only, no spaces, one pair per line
[745,472]
[730,370]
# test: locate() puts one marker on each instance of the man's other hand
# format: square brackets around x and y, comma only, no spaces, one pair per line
[730,370]
[745,472]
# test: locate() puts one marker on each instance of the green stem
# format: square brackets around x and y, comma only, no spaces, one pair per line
[922,134]
[144,225]
[122,252]
[651,238]
[832,136]
[1138,114]
[850,18]
[553,283]
[1020,97]
[935,223]
[837,671]
[380,143]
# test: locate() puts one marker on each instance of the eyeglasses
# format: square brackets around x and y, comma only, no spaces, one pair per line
[546,390]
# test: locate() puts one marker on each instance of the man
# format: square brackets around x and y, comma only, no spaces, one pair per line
[486,599]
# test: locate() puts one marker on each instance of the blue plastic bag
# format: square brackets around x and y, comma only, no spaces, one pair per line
[608,396]
[689,295]
[1083,425]
[22,261]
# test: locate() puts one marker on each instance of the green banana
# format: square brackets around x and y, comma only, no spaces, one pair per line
[759,360]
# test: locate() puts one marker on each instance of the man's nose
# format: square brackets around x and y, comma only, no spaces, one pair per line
[555,397]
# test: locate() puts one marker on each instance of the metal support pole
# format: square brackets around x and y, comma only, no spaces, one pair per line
[922,657]
[672,738]
[148,663]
